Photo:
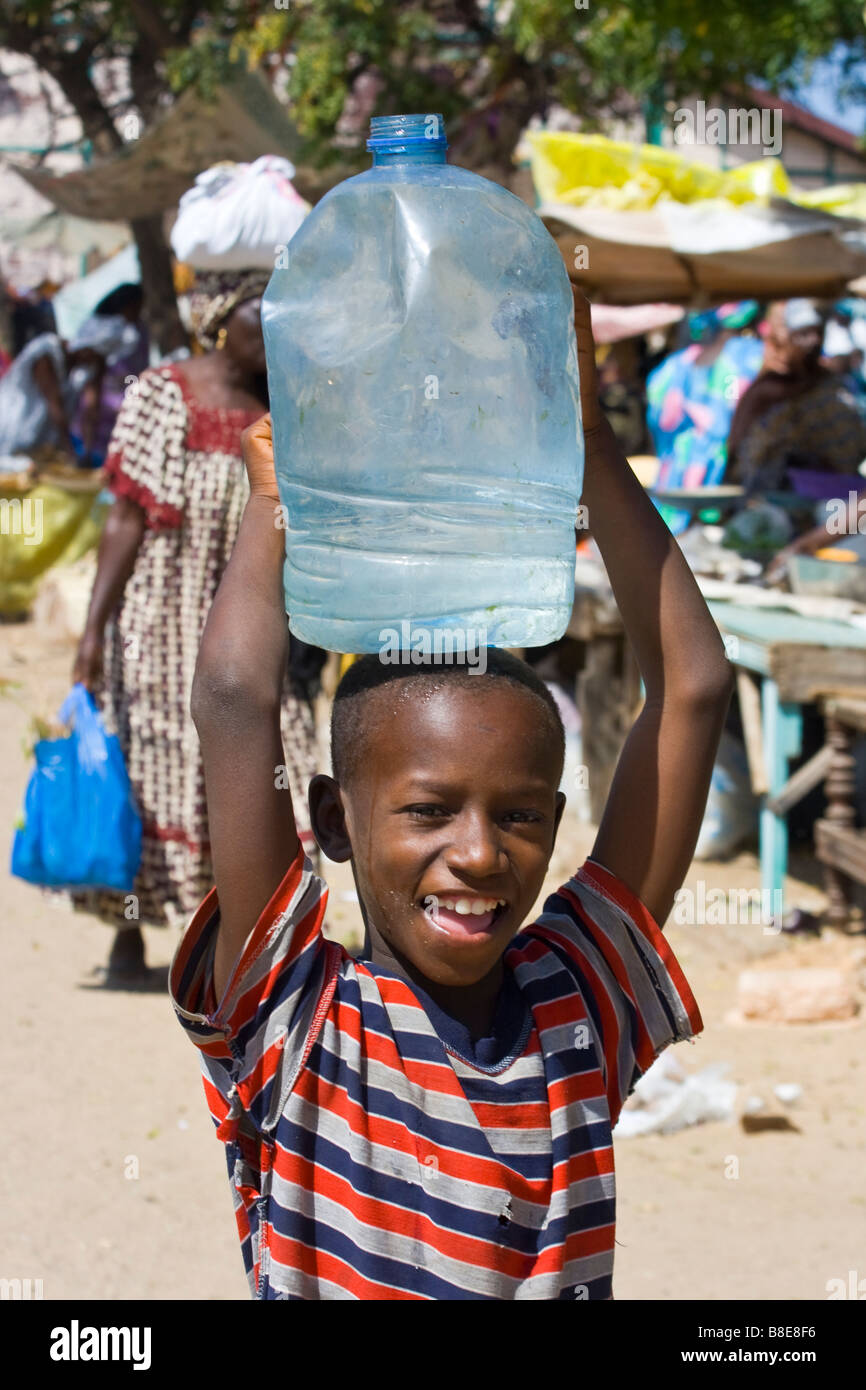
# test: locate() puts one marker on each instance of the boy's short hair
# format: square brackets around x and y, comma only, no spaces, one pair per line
[369,674]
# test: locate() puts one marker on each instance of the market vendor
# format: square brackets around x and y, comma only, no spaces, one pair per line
[691,397]
[795,414]
[100,401]
[39,391]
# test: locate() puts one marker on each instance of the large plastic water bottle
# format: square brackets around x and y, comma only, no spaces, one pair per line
[424,391]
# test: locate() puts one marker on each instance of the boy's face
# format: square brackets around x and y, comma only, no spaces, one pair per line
[454,806]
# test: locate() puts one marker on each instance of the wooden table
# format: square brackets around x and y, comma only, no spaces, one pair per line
[797,661]
[839,846]
[783,661]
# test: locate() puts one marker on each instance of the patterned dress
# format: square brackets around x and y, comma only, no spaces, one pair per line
[689,411]
[180,461]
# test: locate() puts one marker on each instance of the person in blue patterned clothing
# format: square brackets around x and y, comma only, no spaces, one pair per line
[692,396]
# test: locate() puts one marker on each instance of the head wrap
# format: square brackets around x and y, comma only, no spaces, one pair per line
[739,314]
[108,334]
[216,294]
[800,314]
[704,326]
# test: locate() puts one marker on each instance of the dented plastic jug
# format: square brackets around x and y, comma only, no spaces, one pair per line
[425,399]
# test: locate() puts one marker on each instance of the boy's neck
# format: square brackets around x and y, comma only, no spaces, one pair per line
[472,1005]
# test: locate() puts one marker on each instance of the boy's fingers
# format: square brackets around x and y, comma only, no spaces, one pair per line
[586,360]
[258,451]
[259,433]
[582,313]
[583,323]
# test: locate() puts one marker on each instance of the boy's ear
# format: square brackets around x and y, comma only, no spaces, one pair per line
[329,819]
[560,807]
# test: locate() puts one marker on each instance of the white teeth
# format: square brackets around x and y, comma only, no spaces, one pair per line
[474,907]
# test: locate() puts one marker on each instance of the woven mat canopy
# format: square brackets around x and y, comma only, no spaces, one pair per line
[705,253]
[148,176]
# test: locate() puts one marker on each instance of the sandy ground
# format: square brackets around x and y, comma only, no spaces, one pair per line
[115,1187]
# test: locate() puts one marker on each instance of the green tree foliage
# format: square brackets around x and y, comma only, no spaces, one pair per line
[487,65]
[498,63]
[68,38]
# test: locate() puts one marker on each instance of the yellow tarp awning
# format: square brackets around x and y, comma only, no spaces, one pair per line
[638,224]
[577,170]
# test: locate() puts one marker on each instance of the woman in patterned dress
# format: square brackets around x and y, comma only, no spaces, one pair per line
[174,467]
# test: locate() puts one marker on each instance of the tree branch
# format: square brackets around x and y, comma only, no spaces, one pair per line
[70,69]
[151,24]
[468,12]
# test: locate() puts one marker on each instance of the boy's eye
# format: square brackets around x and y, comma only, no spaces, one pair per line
[433,811]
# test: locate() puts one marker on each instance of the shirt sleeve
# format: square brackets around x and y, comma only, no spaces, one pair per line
[636,996]
[146,453]
[255,1040]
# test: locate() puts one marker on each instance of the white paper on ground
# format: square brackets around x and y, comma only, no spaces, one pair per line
[667,1098]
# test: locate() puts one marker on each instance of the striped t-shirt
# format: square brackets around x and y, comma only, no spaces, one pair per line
[369,1159]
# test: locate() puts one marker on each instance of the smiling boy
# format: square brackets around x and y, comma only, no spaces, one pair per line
[433,1119]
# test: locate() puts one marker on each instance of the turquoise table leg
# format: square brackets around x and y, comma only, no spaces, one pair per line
[783,739]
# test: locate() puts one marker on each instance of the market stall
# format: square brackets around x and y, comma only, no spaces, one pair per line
[839,844]
[798,659]
[638,224]
[50,517]
[790,651]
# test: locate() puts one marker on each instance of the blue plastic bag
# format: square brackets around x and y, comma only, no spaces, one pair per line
[81,824]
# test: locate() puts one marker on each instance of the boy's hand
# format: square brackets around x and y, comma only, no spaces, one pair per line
[258,451]
[590,408]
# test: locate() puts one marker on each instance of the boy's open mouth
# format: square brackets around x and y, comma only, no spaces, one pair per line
[464,914]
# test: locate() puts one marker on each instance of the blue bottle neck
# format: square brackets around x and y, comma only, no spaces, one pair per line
[407,139]
[381,157]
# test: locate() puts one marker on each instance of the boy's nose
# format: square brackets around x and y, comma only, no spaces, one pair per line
[476,848]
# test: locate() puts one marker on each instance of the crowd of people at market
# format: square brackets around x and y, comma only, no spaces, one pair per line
[727,405]
[169,441]
[722,401]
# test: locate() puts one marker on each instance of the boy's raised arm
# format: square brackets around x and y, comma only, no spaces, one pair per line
[236,709]
[656,802]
